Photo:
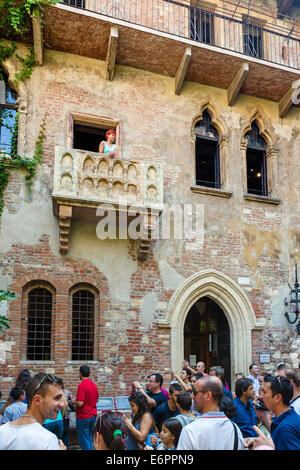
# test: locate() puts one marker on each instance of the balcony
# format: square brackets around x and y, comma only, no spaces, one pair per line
[86,181]
[155,35]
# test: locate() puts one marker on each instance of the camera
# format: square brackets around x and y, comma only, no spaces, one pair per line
[260,405]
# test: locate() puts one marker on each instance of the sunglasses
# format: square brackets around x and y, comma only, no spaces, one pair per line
[197,391]
[47,378]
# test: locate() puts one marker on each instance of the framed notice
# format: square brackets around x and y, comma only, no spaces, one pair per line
[192,360]
[264,358]
[105,403]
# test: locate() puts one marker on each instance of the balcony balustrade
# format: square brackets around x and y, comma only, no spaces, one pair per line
[224,28]
[85,181]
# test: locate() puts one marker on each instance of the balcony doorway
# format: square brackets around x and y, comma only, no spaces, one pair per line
[207,336]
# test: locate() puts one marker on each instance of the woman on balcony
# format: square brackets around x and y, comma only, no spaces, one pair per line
[108,146]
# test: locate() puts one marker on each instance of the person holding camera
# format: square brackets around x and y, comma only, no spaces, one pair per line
[245,417]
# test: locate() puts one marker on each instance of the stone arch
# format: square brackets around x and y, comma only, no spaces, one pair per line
[271,153]
[208,106]
[236,308]
[10,69]
[263,126]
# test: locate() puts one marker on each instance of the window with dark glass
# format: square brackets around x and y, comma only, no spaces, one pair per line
[256,162]
[75,3]
[207,153]
[39,324]
[8,113]
[201,25]
[83,313]
[253,40]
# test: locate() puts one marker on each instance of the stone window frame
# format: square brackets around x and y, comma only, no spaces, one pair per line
[91,288]
[271,158]
[102,122]
[10,69]
[216,122]
[27,288]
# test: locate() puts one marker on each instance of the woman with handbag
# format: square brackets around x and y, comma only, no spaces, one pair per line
[141,424]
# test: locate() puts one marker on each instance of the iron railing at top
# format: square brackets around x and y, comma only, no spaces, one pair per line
[224,29]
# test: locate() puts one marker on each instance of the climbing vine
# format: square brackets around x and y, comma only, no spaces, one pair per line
[13,160]
[7,296]
[15,25]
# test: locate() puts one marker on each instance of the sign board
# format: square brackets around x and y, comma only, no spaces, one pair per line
[193,360]
[105,403]
[122,403]
[264,358]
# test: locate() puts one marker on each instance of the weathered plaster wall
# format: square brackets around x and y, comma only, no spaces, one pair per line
[254,243]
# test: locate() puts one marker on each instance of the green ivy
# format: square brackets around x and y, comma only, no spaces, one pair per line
[5,295]
[13,160]
[15,24]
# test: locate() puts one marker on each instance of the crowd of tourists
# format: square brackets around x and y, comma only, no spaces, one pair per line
[197,412]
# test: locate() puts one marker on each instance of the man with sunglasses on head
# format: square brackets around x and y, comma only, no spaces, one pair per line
[212,430]
[45,399]
[285,427]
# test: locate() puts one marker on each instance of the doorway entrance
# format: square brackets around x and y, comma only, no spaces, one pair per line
[207,336]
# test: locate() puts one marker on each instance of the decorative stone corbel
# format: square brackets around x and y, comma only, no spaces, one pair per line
[65,217]
[149,225]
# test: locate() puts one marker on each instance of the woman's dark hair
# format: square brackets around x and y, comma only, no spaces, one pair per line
[188,372]
[228,407]
[175,428]
[141,401]
[23,379]
[198,375]
[106,425]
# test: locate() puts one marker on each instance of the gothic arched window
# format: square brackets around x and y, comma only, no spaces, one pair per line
[257,182]
[207,153]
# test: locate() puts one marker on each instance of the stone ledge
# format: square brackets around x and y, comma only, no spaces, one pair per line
[211,191]
[256,198]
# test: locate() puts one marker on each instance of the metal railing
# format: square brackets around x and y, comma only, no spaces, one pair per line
[224,28]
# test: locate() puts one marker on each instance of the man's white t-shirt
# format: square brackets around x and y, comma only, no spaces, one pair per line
[296,404]
[27,437]
[211,431]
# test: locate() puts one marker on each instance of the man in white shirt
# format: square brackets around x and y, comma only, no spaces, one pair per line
[254,373]
[45,399]
[294,378]
[212,430]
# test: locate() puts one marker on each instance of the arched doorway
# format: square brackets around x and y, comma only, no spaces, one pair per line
[207,336]
[232,300]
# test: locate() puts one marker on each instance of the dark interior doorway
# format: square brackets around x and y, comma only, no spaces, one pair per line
[207,336]
[88,138]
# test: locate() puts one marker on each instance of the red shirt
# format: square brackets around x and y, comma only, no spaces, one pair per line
[88,393]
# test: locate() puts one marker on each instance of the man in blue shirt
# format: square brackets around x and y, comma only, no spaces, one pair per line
[285,427]
[169,408]
[246,417]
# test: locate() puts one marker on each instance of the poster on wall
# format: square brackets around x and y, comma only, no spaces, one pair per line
[192,360]
[264,358]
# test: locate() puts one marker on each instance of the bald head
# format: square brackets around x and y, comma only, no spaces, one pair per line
[214,385]
[200,367]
